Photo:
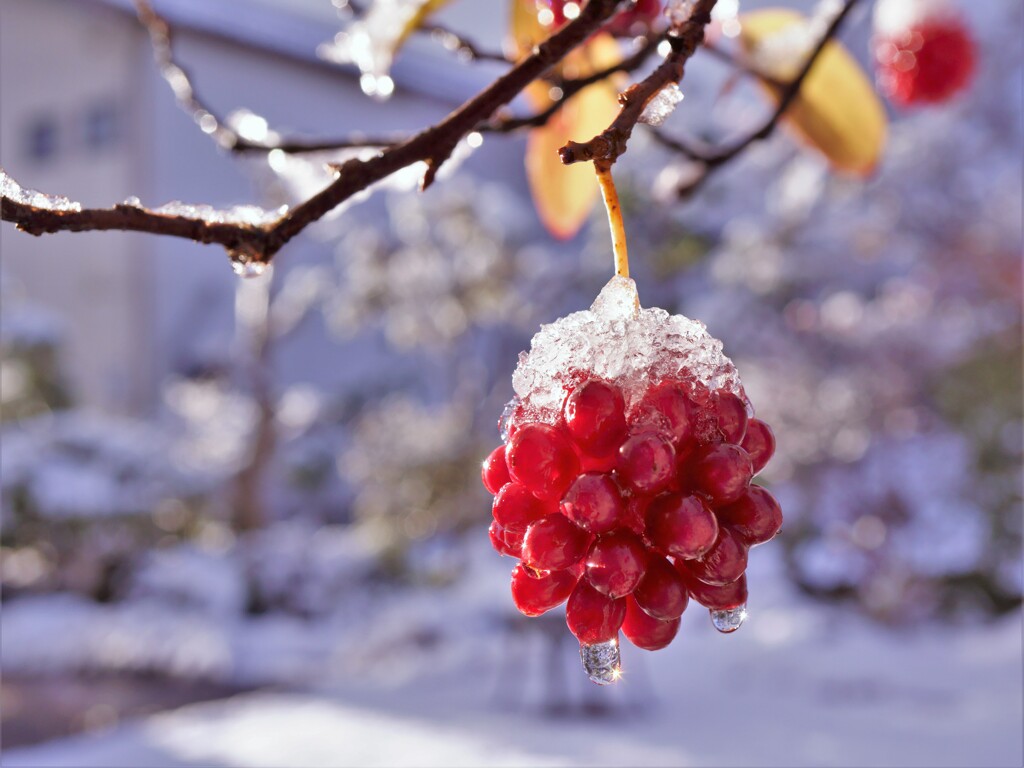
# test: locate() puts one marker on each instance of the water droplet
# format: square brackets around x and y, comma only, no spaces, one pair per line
[506,417]
[729,620]
[244,265]
[602,662]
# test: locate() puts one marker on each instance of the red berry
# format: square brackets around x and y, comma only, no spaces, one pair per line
[494,472]
[593,617]
[535,593]
[723,472]
[557,9]
[594,503]
[926,63]
[645,631]
[595,417]
[635,19]
[615,563]
[647,463]
[541,459]
[553,543]
[717,598]
[667,409]
[635,516]
[732,417]
[755,517]
[503,543]
[515,507]
[723,563]
[662,591]
[682,526]
[759,443]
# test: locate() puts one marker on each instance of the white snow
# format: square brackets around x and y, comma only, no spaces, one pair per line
[662,105]
[12,190]
[797,685]
[617,340]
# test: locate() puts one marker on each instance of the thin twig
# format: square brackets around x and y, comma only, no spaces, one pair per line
[431,146]
[611,143]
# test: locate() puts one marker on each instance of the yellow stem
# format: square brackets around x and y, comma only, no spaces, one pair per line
[618,228]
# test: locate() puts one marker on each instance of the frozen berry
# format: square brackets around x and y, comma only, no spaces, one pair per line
[542,460]
[667,408]
[647,463]
[535,593]
[759,443]
[926,62]
[593,617]
[494,472]
[553,543]
[501,541]
[732,417]
[634,19]
[723,472]
[682,526]
[595,417]
[594,503]
[755,516]
[515,507]
[717,598]
[723,563]
[645,631]
[661,592]
[615,563]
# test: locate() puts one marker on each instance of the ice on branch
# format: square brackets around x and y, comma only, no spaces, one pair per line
[617,340]
[370,43]
[679,11]
[244,215]
[662,105]
[12,190]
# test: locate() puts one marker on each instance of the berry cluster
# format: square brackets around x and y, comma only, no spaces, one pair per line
[629,513]
[923,52]
[632,20]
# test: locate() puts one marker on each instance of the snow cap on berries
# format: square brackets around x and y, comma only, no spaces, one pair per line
[618,341]
[893,17]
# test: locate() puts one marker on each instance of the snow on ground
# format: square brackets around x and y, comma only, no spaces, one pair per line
[800,684]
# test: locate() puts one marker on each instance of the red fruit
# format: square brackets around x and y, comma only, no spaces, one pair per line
[723,563]
[500,540]
[635,517]
[595,417]
[494,471]
[925,63]
[661,592]
[557,10]
[682,526]
[759,443]
[645,631]
[594,503]
[635,19]
[755,517]
[615,563]
[647,463]
[515,507]
[593,617]
[716,598]
[667,409]
[534,594]
[723,472]
[553,543]
[541,459]
[732,417]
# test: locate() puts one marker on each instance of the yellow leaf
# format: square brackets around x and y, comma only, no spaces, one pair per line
[837,110]
[565,194]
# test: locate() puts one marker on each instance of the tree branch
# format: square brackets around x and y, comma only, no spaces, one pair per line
[259,242]
[610,144]
[787,94]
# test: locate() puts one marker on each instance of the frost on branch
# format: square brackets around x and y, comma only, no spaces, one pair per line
[244,215]
[662,105]
[617,340]
[12,190]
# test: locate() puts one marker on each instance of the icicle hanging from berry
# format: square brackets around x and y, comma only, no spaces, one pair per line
[624,486]
[923,51]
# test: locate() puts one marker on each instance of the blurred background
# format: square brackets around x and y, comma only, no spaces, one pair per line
[242,520]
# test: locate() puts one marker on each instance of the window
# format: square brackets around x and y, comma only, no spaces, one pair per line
[41,138]
[101,126]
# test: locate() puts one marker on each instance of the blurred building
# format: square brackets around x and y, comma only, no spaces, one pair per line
[85,114]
